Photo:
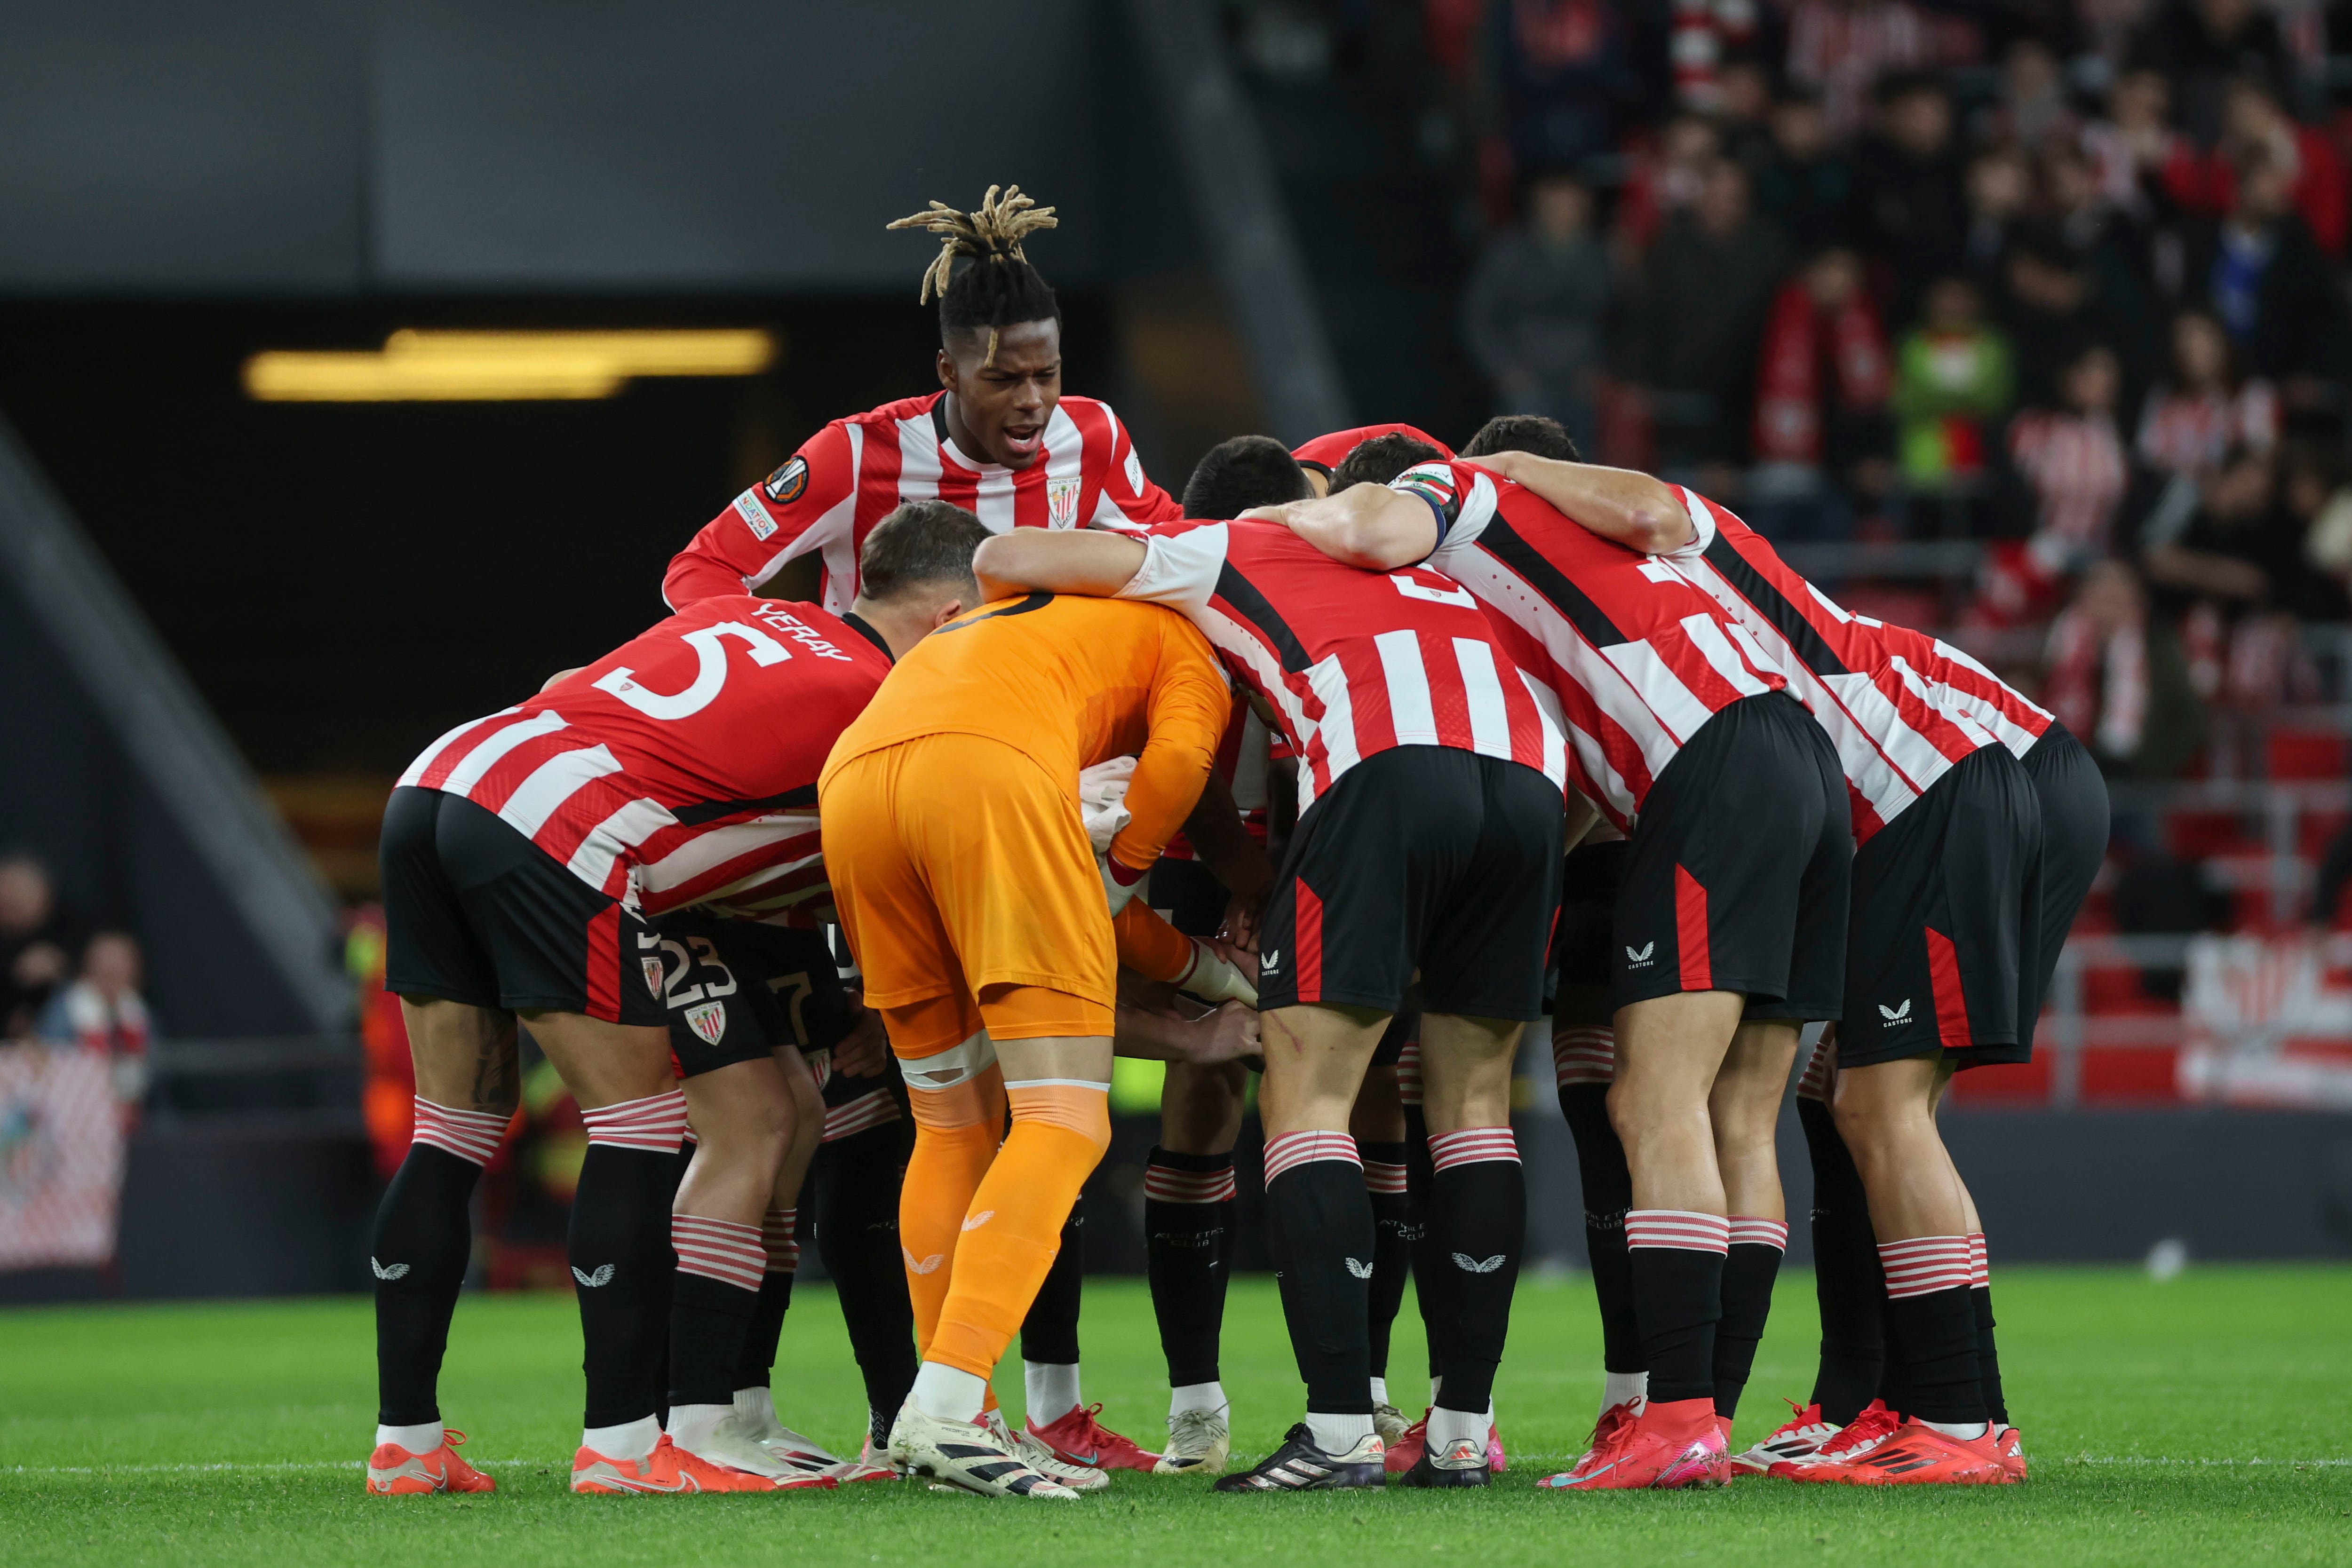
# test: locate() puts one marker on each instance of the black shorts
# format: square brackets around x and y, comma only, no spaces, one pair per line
[1421,856]
[735,990]
[2074,799]
[1588,912]
[475,913]
[1738,875]
[1188,896]
[1947,908]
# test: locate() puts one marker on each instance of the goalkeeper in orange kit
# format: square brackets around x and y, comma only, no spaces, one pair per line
[982,920]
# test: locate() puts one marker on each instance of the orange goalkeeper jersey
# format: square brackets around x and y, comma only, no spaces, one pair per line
[1070,681]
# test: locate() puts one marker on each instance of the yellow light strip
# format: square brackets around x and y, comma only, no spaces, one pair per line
[426,366]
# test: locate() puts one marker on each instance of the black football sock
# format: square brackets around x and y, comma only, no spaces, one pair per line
[857,1180]
[1050,1333]
[780,1237]
[1676,1257]
[1428,1284]
[1932,1323]
[1188,1213]
[1395,1227]
[621,1263]
[1323,1231]
[1477,1229]
[1847,1281]
[1988,1355]
[1749,1271]
[422,1245]
[713,1297]
[1608,1193]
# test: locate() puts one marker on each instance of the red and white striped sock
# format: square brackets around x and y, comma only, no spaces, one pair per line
[1682,1229]
[471,1135]
[1749,1230]
[848,1120]
[1471,1145]
[1168,1184]
[1584,1055]
[721,1249]
[1979,1265]
[654,1124]
[1285,1151]
[778,1237]
[1384,1177]
[1924,1264]
[1408,1071]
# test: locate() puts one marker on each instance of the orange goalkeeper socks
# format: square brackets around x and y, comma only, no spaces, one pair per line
[1014,1228]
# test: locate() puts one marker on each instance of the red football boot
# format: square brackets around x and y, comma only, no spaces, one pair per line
[1670,1444]
[1865,1432]
[1406,1451]
[1801,1436]
[1918,1455]
[2011,1449]
[1078,1438]
[394,1471]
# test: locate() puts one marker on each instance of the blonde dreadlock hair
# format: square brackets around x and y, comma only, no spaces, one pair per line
[1001,287]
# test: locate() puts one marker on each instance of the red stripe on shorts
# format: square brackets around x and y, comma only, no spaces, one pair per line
[1952,1003]
[605,965]
[1309,944]
[1690,932]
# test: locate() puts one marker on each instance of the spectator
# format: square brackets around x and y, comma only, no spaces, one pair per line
[2238,549]
[1999,188]
[2270,286]
[2208,405]
[2073,462]
[1840,49]
[1664,179]
[1704,34]
[37,941]
[2131,149]
[1536,305]
[2032,107]
[1566,70]
[1909,186]
[1743,112]
[1707,283]
[2117,679]
[2057,301]
[1801,183]
[103,1013]
[2199,44]
[2317,492]
[1821,403]
[1952,379]
[2204,184]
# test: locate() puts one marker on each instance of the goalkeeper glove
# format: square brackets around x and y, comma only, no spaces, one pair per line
[1213,978]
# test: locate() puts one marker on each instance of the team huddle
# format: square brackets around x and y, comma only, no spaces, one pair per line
[1344,768]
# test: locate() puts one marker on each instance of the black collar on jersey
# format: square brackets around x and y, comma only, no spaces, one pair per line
[856,623]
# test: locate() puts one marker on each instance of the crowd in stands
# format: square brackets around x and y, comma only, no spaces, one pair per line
[2062,278]
[65,986]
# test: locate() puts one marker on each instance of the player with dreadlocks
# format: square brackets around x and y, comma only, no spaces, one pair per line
[1001,440]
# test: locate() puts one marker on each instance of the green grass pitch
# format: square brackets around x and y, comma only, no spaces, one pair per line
[2207,1418]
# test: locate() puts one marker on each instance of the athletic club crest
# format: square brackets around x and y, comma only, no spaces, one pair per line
[708,1020]
[1062,503]
[652,968]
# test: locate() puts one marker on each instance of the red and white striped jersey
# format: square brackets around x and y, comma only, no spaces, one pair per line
[1631,657]
[681,767]
[1894,738]
[849,476]
[1352,663]
[1325,453]
[1967,687]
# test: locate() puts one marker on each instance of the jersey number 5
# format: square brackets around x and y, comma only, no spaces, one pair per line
[709,676]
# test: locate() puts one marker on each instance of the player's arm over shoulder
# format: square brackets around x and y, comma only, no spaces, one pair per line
[1056,562]
[1636,509]
[802,507]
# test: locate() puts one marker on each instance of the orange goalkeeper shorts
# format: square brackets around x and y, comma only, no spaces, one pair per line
[962,870]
